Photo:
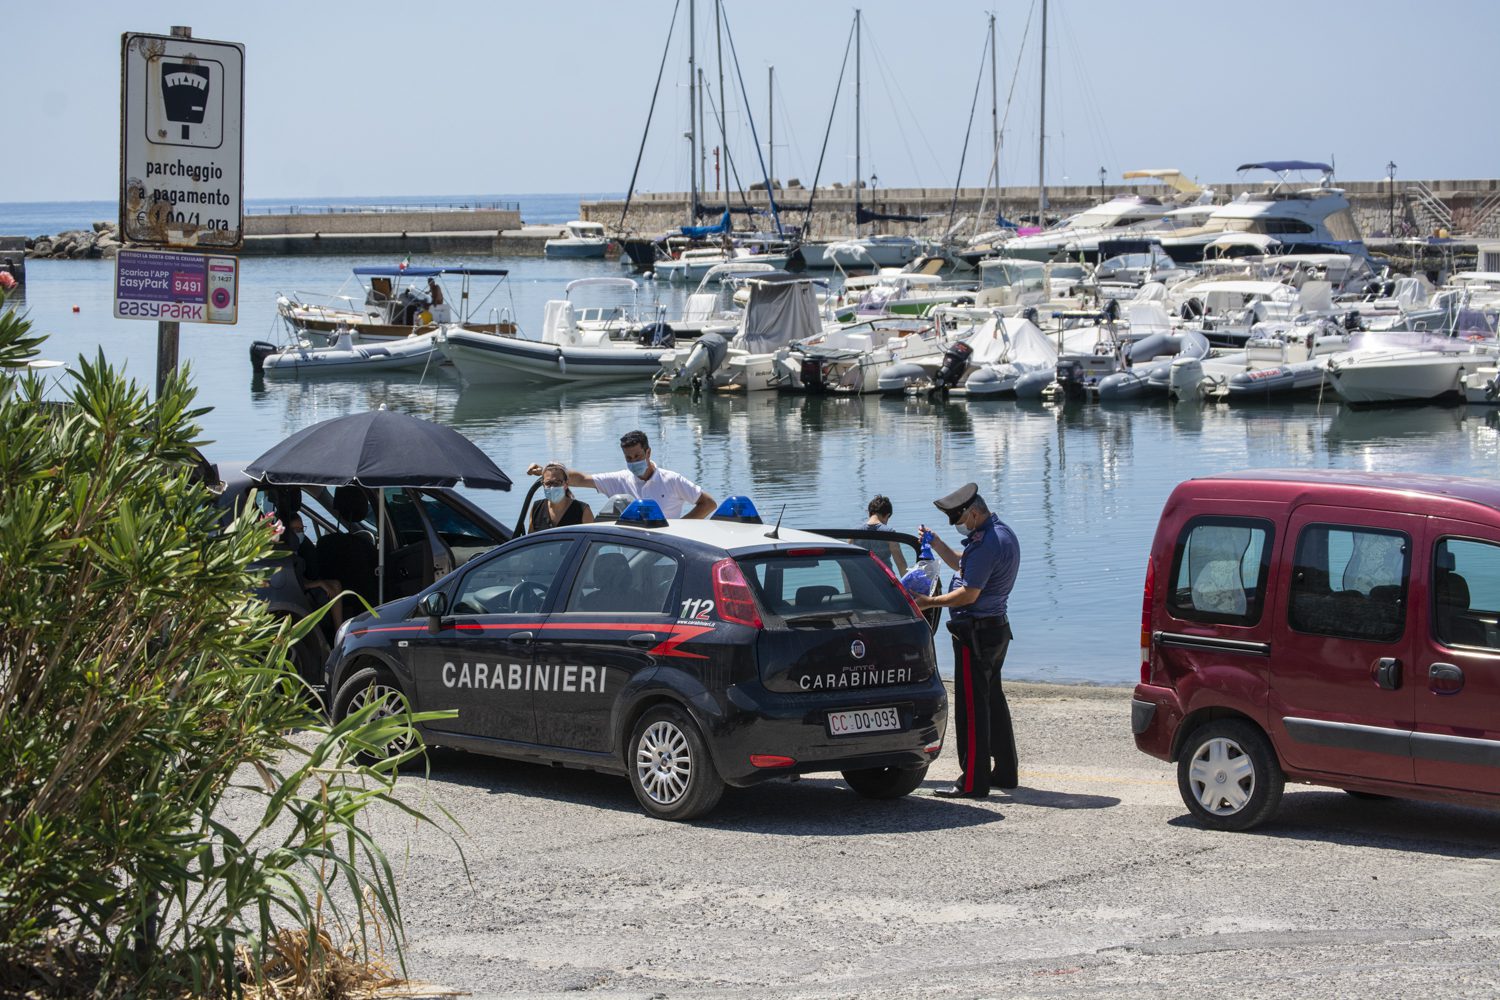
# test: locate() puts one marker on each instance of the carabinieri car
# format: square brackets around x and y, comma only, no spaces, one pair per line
[687,656]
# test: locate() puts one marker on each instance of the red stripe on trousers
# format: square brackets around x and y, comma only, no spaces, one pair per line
[969,718]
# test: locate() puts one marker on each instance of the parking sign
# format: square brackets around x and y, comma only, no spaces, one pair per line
[181,156]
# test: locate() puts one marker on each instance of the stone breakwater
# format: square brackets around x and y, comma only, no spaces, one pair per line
[103,240]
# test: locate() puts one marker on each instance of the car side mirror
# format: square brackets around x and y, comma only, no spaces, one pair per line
[434,606]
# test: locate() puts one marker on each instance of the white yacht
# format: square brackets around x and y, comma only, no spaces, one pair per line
[1313,219]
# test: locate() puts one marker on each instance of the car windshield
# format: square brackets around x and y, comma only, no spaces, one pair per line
[820,588]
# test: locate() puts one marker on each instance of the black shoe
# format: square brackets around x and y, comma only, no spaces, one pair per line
[959,793]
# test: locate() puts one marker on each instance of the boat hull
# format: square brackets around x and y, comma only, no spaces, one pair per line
[575,251]
[490,360]
[414,354]
[1397,378]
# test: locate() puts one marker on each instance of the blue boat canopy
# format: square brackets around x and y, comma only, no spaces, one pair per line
[1280,166]
[427,272]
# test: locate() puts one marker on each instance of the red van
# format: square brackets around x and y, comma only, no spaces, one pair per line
[1331,627]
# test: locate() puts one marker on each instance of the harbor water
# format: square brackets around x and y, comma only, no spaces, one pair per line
[1081,485]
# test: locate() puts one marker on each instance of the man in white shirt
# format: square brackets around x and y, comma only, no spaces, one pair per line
[644,480]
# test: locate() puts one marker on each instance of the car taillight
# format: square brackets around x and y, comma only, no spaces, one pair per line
[736,602]
[1146,621]
[904,592]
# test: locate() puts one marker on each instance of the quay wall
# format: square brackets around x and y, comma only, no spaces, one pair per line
[325,223]
[1417,208]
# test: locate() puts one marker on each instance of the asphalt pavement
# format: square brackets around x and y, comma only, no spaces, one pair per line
[1088,880]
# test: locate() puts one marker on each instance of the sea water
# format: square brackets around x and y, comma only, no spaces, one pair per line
[1082,485]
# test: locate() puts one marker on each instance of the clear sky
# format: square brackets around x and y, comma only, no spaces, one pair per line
[346,99]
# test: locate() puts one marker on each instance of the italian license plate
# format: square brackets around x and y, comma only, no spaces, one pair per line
[863,720]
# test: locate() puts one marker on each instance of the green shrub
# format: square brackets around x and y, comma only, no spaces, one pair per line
[141,688]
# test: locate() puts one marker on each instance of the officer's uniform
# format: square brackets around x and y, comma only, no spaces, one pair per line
[981,637]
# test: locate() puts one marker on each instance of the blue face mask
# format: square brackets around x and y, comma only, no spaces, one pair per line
[638,469]
[555,494]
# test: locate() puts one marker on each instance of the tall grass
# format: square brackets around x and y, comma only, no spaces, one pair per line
[141,688]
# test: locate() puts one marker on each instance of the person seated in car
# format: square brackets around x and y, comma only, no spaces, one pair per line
[558,507]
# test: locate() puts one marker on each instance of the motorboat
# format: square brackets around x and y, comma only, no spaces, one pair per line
[1079,235]
[579,343]
[346,357]
[1146,377]
[893,292]
[712,307]
[396,304]
[853,359]
[1312,219]
[584,241]
[1385,369]
[1281,364]
[780,310]
[985,361]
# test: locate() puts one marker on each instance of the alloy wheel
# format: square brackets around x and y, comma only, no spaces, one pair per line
[663,762]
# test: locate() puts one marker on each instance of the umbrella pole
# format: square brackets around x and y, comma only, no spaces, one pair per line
[380,570]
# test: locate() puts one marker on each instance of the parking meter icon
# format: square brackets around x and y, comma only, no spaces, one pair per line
[184,91]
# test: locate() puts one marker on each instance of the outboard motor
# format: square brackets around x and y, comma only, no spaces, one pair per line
[1070,378]
[704,359]
[259,351]
[1192,309]
[1030,315]
[812,375]
[955,363]
[1353,321]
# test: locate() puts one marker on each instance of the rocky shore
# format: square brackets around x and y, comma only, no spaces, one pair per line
[78,244]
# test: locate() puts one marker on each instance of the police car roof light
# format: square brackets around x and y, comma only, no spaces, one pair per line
[643,514]
[737,508]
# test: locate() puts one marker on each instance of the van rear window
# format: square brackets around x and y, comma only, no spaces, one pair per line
[826,589]
[1219,570]
[1350,582]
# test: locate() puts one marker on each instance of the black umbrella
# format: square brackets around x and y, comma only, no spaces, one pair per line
[375,449]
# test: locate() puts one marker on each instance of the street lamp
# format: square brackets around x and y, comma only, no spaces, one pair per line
[1390,182]
[1101,181]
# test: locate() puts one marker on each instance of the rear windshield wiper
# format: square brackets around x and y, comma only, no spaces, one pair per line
[821,618]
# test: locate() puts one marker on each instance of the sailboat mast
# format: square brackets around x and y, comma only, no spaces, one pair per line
[770,125]
[702,133]
[723,111]
[858,167]
[1041,141]
[994,118]
[692,113]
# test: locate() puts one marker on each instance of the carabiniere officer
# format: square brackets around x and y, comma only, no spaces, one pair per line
[977,617]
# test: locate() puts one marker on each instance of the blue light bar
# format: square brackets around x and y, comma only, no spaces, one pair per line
[643,514]
[737,508]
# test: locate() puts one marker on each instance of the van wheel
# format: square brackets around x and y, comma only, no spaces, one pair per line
[1228,775]
[670,770]
[886,782]
[372,684]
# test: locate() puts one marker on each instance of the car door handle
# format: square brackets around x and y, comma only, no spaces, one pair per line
[643,640]
[521,636]
[1445,678]
[1388,673]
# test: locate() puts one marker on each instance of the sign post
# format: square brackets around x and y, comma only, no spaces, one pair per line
[182,103]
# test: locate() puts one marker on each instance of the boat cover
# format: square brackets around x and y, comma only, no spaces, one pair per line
[698,232]
[778,313]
